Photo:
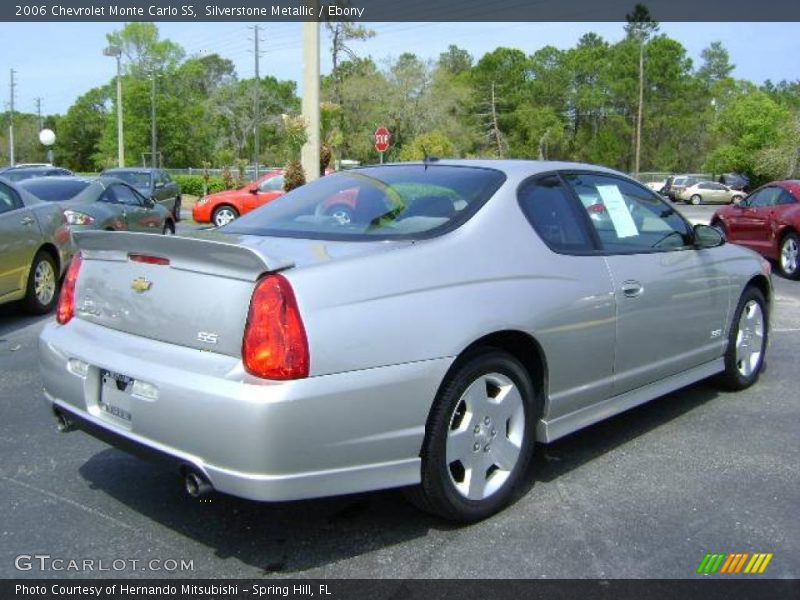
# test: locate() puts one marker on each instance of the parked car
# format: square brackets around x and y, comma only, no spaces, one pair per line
[223,207]
[709,192]
[657,186]
[111,204]
[35,248]
[736,181]
[466,310]
[767,221]
[677,183]
[22,172]
[152,183]
[55,189]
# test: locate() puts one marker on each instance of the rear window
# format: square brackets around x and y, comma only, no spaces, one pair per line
[54,191]
[136,179]
[388,202]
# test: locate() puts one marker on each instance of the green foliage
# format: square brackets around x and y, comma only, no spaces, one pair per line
[294,176]
[193,184]
[434,143]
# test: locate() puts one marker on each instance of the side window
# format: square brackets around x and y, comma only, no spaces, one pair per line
[786,198]
[705,186]
[126,196]
[8,199]
[630,218]
[165,178]
[108,196]
[554,216]
[273,184]
[762,198]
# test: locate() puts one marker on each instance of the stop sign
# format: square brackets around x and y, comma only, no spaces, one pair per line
[382,136]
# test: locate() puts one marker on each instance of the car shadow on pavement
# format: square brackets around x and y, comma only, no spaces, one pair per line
[573,451]
[281,539]
[13,318]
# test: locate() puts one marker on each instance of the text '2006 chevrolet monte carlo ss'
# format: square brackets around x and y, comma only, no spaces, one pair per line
[463,312]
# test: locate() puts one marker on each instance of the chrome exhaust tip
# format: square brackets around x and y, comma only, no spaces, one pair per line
[196,485]
[63,423]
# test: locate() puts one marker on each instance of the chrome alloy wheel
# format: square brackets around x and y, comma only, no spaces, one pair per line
[750,338]
[789,255]
[224,216]
[44,282]
[485,437]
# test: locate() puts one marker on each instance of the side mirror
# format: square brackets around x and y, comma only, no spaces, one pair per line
[159,184]
[706,236]
[149,202]
[253,189]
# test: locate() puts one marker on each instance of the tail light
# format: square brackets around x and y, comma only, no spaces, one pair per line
[66,301]
[275,344]
[75,217]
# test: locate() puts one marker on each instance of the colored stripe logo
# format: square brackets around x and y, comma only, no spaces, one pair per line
[734,563]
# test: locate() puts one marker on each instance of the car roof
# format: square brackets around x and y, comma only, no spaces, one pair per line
[130,170]
[514,168]
[54,179]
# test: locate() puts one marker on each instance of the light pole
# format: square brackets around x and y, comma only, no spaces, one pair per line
[117,53]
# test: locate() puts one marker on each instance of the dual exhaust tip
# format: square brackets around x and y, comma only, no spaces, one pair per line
[195,484]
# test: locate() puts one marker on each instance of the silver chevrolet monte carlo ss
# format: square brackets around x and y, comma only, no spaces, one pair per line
[455,314]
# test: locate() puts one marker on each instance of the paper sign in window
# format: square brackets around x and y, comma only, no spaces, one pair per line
[618,211]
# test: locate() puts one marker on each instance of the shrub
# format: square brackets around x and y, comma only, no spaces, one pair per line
[193,184]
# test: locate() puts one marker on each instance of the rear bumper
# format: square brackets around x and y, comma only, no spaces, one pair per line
[256,439]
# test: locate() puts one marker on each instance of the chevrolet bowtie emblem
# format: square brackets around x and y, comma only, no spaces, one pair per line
[140,285]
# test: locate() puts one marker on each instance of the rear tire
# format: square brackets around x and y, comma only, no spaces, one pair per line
[747,341]
[479,438]
[41,292]
[169,228]
[789,256]
[176,210]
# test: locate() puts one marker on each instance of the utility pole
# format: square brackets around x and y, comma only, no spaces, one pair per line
[257,103]
[11,121]
[153,145]
[39,112]
[311,84]
[117,53]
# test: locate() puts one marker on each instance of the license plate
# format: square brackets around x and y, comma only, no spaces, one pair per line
[115,399]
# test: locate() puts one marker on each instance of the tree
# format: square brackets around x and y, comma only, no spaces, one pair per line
[342,32]
[716,64]
[80,130]
[456,60]
[640,28]
[140,44]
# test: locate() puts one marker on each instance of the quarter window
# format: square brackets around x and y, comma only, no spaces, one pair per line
[554,216]
[629,218]
[8,199]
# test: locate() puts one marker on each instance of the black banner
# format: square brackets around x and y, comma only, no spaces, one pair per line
[334,589]
[394,10]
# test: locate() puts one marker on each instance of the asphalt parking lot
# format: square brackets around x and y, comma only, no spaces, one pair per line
[646,494]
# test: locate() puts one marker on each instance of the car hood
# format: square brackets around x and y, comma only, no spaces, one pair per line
[301,252]
[226,194]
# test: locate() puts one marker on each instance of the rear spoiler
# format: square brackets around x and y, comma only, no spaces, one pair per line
[184,253]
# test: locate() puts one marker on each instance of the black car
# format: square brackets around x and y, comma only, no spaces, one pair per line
[152,183]
[20,173]
[735,181]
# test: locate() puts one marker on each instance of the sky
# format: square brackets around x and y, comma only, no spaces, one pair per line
[59,62]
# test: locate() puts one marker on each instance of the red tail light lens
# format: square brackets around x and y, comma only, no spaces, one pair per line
[275,344]
[66,301]
[148,259]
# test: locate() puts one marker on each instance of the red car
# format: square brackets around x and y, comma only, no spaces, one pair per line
[223,207]
[767,221]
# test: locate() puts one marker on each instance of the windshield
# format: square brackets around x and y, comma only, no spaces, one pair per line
[136,179]
[54,190]
[388,202]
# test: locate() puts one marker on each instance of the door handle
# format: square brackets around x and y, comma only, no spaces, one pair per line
[27,221]
[632,289]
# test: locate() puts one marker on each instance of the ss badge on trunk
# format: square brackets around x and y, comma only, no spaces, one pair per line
[207,337]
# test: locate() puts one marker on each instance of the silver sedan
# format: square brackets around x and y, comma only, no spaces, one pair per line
[465,311]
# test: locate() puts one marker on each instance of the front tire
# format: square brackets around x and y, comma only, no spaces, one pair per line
[747,341]
[169,228]
[789,256]
[224,215]
[176,209]
[479,438]
[696,199]
[42,290]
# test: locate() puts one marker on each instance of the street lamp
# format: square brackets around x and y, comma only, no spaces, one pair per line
[116,52]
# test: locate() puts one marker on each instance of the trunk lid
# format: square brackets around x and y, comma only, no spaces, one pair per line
[202,297]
